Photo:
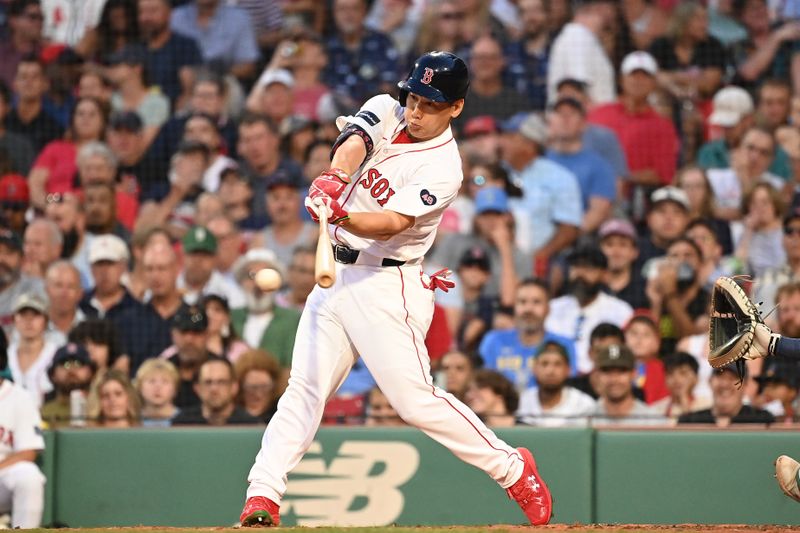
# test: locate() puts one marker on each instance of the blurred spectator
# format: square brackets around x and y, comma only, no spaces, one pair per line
[97,164]
[113,402]
[787,301]
[28,117]
[297,134]
[55,167]
[267,18]
[66,210]
[578,53]
[108,256]
[397,19]
[767,284]
[440,28]
[287,229]
[199,276]
[474,271]
[260,384]
[727,403]
[599,139]
[216,386]
[259,147]
[691,61]
[618,241]
[779,383]
[133,90]
[94,83]
[487,94]
[14,201]
[760,243]
[714,264]
[170,58]
[666,221]
[13,283]
[493,398]
[236,196]
[552,403]
[774,99]
[126,140]
[223,33]
[723,24]
[189,328]
[681,378]
[23,483]
[677,297]
[512,351]
[734,112]
[25,21]
[694,182]
[649,140]
[117,28]
[71,370]
[62,284]
[604,334]
[17,146]
[222,340]
[645,21]
[380,412]
[41,246]
[203,128]
[29,352]
[642,336]
[157,384]
[480,138]
[768,51]
[67,23]
[272,95]
[100,204]
[261,323]
[299,279]
[230,244]
[140,241]
[455,371]
[528,57]
[361,62]
[99,337]
[617,406]
[596,178]
[575,314]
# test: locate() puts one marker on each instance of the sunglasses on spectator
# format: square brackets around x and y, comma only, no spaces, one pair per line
[15,206]
[72,363]
[453,15]
[215,382]
[789,230]
[55,198]
[34,16]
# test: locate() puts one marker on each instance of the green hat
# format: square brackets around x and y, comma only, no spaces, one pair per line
[199,240]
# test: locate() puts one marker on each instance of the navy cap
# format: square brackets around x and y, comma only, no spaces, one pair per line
[475,256]
[190,318]
[126,120]
[130,55]
[10,239]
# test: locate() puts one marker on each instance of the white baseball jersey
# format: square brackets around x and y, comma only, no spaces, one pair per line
[20,424]
[416,179]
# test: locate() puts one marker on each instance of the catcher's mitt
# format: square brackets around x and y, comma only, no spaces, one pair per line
[737,329]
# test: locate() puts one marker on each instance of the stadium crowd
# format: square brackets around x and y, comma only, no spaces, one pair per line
[618,157]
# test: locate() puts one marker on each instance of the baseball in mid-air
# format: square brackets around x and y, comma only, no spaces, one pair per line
[268,279]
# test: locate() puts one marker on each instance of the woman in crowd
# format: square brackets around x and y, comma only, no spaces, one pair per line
[695,184]
[55,168]
[493,398]
[100,339]
[113,402]
[157,384]
[222,340]
[760,242]
[260,384]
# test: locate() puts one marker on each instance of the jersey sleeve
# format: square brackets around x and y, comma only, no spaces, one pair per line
[373,117]
[28,430]
[426,194]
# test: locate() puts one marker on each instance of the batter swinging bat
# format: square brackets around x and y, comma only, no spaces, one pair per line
[324,272]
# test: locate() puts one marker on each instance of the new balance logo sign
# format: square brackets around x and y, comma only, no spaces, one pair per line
[360,486]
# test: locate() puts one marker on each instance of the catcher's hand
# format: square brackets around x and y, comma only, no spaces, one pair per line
[737,329]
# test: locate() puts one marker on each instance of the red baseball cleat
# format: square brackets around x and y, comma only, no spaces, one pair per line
[260,512]
[531,492]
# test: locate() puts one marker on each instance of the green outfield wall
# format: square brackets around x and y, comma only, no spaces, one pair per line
[371,476]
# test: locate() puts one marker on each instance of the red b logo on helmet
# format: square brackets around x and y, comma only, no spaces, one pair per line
[427,77]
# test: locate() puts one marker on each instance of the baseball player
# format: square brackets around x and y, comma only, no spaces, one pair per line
[405,170]
[21,482]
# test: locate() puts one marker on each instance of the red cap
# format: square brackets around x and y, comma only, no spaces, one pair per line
[14,188]
[480,125]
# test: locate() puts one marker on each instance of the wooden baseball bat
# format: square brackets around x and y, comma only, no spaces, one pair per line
[324,270]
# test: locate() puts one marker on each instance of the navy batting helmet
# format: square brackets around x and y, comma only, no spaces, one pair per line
[3,350]
[437,76]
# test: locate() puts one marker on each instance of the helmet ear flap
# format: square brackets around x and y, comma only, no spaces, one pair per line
[402,97]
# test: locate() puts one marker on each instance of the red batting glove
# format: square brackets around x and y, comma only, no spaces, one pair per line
[331,183]
[439,281]
[336,213]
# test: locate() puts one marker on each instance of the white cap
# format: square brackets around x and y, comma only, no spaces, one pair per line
[731,105]
[108,248]
[276,75]
[639,61]
[241,268]
[670,193]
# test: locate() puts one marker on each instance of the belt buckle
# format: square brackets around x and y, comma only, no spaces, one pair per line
[341,254]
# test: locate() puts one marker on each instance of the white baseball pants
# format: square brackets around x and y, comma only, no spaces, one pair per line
[22,493]
[383,315]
